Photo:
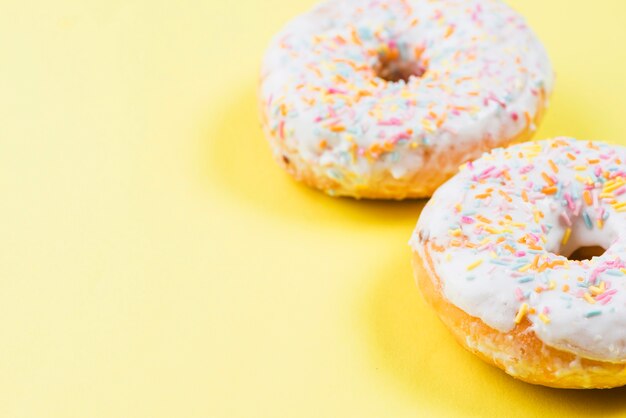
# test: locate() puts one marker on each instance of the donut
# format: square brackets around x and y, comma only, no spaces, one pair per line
[386,98]
[522,254]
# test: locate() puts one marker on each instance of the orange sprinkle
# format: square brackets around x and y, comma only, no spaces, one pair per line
[570,156]
[483,195]
[549,190]
[323,144]
[565,287]
[337,128]
[553,166]
[355,37]
[524,195]
[547,178]
[483,219]
[505,195]
[587,197]
[449,31]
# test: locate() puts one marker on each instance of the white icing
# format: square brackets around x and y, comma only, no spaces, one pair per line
[487,78]
[592,326]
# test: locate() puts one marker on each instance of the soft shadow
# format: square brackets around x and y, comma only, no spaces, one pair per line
[429,367]
[239,160]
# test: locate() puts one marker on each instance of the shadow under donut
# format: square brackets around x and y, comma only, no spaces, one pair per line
[239,160]
[428,366]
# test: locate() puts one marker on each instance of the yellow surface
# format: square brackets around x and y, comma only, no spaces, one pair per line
[155,262]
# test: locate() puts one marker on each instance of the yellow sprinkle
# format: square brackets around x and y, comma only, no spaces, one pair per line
[595,290]
[552,285]
[456,232]
[568,232]
[523,310]
[474,264]
[492,230]
[544,318]
[525,268]
[580,168]
[448,257]
[619,205]
[612,187]
[589,299]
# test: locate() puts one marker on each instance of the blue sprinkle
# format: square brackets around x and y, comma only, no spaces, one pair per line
[592,314]
[526,279]
[587,219]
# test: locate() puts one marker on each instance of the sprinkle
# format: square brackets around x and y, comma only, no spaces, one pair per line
[553,166]
[587,197]
[589,299]
[568,232]
[592,314]
[474,264]
[523,310]
[456,232]
[544,318]
[549,190]
[587,220]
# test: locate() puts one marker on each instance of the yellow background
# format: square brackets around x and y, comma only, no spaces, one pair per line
[155,262]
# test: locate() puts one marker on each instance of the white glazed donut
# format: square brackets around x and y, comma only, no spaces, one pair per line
[386,98]
[491,255]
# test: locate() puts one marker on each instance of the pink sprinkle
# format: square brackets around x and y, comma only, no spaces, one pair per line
[519,294]
[566,219]
[620,191]
[605,301]
[281,129]
[570,202]
[597,171]
[467,220]
[526,169]
[546,310]
[579,205]
[514,116]
[606,294]
[400,136]
[390,122]
[333,90]
[487,171]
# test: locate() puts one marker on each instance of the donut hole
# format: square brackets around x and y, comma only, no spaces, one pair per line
[586,253]
[391,66]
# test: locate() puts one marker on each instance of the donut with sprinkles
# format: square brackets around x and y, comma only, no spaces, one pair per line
[523,256]
[386,98]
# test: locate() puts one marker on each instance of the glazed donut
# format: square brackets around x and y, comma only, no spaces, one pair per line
[499,252]
[386,98]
